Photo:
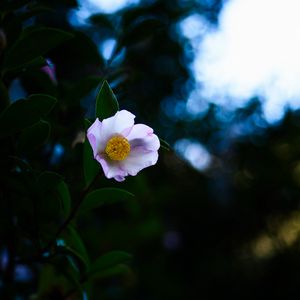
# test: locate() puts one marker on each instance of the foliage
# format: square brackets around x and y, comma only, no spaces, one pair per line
[171,232]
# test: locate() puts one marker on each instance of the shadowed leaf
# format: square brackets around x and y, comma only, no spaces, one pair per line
[106,102]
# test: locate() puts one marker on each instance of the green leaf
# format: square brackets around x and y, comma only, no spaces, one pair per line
[4,98]
[74,243]
[164,145]
[82,88]
[90,165]
[108,261]
[48,181]
[32,44]
[24,113]
[64,195]
[110,272]
[104,196]
[106,102]
[71,253]
[34,136]
[36,63]
[54,195]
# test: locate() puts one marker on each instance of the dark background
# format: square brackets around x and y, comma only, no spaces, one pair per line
[231,230]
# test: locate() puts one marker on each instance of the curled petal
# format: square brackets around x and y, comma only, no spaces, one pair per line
[142,136]
[111,169]
[94,136]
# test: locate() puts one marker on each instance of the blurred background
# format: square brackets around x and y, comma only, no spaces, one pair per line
[219,81]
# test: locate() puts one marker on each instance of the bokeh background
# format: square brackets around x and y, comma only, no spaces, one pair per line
[218,216]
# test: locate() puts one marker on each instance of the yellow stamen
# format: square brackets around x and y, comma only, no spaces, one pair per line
[117,148]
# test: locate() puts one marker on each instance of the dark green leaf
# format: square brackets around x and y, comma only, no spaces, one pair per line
[110,272]
[104,196]
[36,63]
[74,243]
[109,260]
[65,275]
[34,136]
[32,44]
[90,165]
[55,198]
[106,102]
[48,181]
[24,113]
[82,88]
[141,29]
[4,98]
[71,253]
[102,21]
[164,145]
[64,194]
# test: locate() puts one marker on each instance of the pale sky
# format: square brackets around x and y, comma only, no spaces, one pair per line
[253,52]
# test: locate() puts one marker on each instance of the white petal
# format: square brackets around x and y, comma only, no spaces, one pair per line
[138,159]
[120,123]
[94,136]
[142,135]
[111,169]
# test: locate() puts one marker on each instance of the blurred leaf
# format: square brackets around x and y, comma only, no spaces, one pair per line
[48,205]
[110,272]
[64,194]
[20,163]
[108,261]
[34,136]
[4,98]
[106,102]
[73,243]
[7,5]
[58,277]
[33,11]
[71,253]
[103,196]
[90,165]
[24,113]
[82,88]
[54,202]
[102,21]
[141,29]
[32,44]
[36,63]
[48,181]
[165,145]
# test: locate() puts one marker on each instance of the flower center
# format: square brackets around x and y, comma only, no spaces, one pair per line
[117,148]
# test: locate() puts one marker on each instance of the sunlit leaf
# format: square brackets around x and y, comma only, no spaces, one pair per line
[104,196]
[106,102]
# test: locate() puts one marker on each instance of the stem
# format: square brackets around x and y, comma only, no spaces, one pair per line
[72,213]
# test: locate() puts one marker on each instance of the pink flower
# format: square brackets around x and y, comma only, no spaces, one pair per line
[122,147]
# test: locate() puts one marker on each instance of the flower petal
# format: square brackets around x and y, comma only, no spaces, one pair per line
[138,159]
[142,136]
[111,169]
[94,136]
[121,122]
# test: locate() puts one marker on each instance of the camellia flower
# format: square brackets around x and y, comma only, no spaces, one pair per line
[122,147]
